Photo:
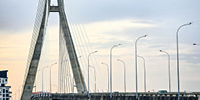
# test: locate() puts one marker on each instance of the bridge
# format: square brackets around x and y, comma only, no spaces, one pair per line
[70,69]
[118,96]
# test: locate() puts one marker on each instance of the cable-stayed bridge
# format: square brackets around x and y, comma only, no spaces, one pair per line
[72,74]
[70,71]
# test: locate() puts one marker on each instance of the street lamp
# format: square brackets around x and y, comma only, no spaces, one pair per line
[35,91]
[144,73]
[42,76]
[55,86]
[19,90]
[178,58]
[64,84]
[60,72]
[95,85]
[111,69]
[36,79]
[124,74]
[68,77]
[89,72]
[73,85]
[168,69]
[195,44]
[16,94]
[136,64]
[108,73]
[50,74]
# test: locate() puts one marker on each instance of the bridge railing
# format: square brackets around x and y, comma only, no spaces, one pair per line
[121,95]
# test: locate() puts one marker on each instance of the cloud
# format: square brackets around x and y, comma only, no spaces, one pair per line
[108,23]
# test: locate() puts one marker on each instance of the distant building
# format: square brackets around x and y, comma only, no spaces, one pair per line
[4,90]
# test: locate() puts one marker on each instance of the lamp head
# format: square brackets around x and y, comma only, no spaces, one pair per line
[119,44]
[145,35]
[194,44]
[95,51]
[190,23]
[160,50]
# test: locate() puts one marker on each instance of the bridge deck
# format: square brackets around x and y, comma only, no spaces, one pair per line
[120,96]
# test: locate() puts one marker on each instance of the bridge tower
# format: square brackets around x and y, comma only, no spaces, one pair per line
[44,9]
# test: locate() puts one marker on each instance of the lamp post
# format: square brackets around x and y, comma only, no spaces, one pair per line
[35,90]
[195,44]
[50,74]
[19,90]
[144,73]
[55,86]
[60,73]
[178,58]
[94,77]
[136,64]
[42,76]
[64,84]
[89,72]
[73,85]
[168,69]
[124,74]
[68,77]
[36,79]
[111,69]
[108,73]
[16,94]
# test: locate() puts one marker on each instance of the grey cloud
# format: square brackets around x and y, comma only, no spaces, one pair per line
[151,10]
[17,15]
[143,21]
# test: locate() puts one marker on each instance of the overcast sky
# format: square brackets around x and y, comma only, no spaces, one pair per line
[110,22]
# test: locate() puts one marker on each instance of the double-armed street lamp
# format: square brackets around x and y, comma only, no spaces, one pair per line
[168,69]
[178,57]
[108,73]
[111,69]
[136,64]
[124,74]
[43,76]
[144,73]
[95,85]
[89,72]
[50,74]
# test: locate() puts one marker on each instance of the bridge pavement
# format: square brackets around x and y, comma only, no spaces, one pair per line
[120,96]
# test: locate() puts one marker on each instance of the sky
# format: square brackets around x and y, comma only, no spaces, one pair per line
[108,23]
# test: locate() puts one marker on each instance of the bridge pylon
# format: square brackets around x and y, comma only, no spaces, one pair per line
[44,9]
